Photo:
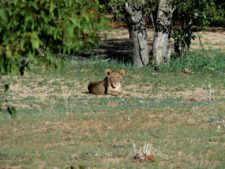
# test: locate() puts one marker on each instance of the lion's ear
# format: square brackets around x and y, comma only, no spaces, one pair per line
[122,72]
[108,72]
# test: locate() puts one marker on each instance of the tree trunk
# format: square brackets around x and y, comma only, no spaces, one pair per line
[138,35]
[161,52]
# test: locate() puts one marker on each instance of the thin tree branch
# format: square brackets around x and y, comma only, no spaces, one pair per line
[201,44]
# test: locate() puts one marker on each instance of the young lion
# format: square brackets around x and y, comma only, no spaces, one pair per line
[110,85]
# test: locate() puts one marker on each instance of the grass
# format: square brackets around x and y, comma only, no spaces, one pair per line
[58,125]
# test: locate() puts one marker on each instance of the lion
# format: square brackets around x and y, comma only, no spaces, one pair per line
[111,85]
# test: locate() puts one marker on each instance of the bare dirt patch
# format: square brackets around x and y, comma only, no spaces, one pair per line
[213,38]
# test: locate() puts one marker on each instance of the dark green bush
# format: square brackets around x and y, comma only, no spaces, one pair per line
[33,31]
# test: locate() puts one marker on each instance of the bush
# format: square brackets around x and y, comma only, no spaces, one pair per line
[36,30]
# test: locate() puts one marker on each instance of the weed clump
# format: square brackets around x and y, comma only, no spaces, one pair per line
[143,154]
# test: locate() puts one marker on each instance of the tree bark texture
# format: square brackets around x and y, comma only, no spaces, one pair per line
[160,50]
[138,35]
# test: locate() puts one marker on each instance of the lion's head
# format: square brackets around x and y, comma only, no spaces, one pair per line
[114,78]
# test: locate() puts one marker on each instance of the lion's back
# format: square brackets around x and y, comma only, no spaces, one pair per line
[96,88]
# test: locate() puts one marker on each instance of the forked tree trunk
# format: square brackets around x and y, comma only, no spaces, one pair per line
[160,50]
[138,35]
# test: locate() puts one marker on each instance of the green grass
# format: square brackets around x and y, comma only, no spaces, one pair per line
[58,125]
[197,61]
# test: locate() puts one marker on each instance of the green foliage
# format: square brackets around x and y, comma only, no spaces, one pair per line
[191,14]
[199,13]
[103,5]
[34,31]
[219,14]
[117,8]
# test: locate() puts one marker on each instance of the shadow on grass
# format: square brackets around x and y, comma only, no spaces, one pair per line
[116,49]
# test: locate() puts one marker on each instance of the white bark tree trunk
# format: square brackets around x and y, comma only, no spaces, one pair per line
[138,35]
[160,50]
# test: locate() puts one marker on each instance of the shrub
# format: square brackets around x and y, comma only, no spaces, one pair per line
[36,30]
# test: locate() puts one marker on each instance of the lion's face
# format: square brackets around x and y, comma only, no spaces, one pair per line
[114,78]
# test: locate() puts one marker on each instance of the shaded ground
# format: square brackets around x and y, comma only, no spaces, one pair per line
[116,43]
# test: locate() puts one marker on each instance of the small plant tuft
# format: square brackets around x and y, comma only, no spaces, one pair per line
[12,111]
[143,154]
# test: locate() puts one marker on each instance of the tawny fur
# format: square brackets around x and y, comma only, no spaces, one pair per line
[111,85]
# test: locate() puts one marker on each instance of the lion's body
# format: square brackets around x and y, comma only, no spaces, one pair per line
[98,87]
[111,85]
